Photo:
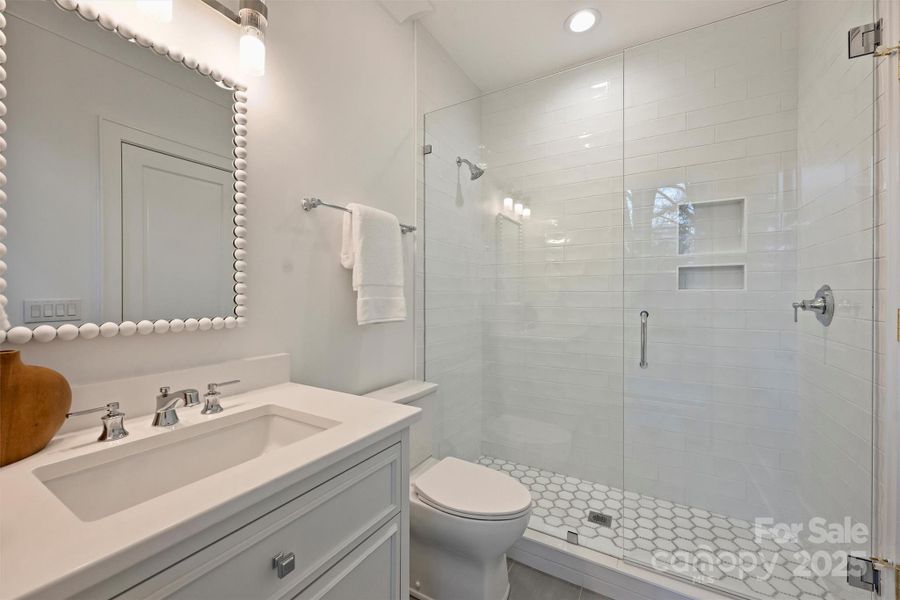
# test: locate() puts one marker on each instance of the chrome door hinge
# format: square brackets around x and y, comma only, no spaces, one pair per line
[864,39]
[863,573]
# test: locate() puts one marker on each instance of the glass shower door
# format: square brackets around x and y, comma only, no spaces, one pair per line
[523,293]
[748,187]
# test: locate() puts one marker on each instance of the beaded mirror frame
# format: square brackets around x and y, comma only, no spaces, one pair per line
[47,333]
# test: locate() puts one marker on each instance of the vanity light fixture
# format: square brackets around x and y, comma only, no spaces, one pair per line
[526,213]
[253,16]
[160,10]
[518,208]
[508,203]
[582,20]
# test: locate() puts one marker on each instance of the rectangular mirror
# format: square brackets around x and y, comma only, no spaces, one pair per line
[125,179]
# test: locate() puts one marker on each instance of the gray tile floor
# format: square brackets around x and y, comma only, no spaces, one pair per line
[526,583]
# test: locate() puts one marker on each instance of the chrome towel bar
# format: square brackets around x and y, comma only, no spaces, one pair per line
[310,203]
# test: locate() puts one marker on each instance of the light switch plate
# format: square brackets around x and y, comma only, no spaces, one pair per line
[52,310]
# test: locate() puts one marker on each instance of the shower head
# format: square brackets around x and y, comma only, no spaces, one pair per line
[474,170]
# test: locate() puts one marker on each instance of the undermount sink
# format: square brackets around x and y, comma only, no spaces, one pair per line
[97,485]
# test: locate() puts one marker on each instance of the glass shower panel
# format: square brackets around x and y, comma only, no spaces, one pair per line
[531,369]
[452,236]
[748,185]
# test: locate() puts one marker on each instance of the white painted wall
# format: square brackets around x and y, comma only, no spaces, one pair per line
[333,117]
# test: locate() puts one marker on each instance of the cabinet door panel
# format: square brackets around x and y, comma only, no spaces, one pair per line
[371,571]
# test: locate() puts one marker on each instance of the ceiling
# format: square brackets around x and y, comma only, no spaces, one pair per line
[499,43]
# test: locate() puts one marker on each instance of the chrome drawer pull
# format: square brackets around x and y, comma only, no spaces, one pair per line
[284,564]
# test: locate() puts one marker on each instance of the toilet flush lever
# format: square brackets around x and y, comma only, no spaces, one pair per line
[822,305]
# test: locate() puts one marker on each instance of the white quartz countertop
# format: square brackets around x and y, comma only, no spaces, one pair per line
[47,552]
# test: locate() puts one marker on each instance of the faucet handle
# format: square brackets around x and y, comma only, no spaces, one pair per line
[211,405]
[113,421]
[213,388]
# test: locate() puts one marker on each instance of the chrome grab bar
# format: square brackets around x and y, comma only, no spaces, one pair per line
[644,316]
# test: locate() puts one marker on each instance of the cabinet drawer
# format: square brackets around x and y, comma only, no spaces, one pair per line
[371,571]
[319,528]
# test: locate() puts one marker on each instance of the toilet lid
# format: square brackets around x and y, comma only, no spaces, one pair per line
[472,491]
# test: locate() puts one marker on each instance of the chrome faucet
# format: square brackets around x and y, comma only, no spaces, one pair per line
[167,401]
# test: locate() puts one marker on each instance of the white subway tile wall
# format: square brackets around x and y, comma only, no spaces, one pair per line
[710,115]
[553,284]
[836,246]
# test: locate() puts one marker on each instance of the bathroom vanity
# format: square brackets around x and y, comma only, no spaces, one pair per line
[290,492]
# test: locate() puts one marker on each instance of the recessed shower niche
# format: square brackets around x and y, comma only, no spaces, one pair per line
[712,227]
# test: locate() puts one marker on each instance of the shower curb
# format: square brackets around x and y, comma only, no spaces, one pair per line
[606,575]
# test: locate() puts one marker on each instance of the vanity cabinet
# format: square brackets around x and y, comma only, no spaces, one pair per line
[340,540]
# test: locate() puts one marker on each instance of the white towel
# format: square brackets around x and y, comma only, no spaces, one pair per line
[372,247]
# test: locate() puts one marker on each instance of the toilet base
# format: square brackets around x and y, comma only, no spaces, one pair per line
[440,574]
[420,596]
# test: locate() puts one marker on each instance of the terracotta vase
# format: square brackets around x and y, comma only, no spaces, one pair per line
[33,406]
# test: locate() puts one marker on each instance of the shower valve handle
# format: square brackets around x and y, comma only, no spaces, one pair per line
[822,305]
[817,305]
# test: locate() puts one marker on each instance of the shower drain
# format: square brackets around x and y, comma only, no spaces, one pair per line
[599,519]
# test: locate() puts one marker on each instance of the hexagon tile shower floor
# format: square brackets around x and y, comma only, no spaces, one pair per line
[643,527]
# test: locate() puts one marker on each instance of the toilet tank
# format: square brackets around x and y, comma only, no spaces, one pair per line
[420,394]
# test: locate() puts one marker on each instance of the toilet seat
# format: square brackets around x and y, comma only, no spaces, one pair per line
[471,491]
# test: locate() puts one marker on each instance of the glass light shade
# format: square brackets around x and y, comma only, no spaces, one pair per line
[507,203]
[582,20]
[526,213]
[160,10]
[518,208]
[253,52]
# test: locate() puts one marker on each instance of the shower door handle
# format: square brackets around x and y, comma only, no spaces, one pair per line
[644,315]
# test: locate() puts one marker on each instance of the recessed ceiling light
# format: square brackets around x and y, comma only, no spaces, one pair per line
[582,20]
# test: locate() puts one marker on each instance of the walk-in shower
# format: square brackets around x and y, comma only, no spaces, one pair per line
[685,193]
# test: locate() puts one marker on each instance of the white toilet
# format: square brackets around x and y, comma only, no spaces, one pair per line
[463,516]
